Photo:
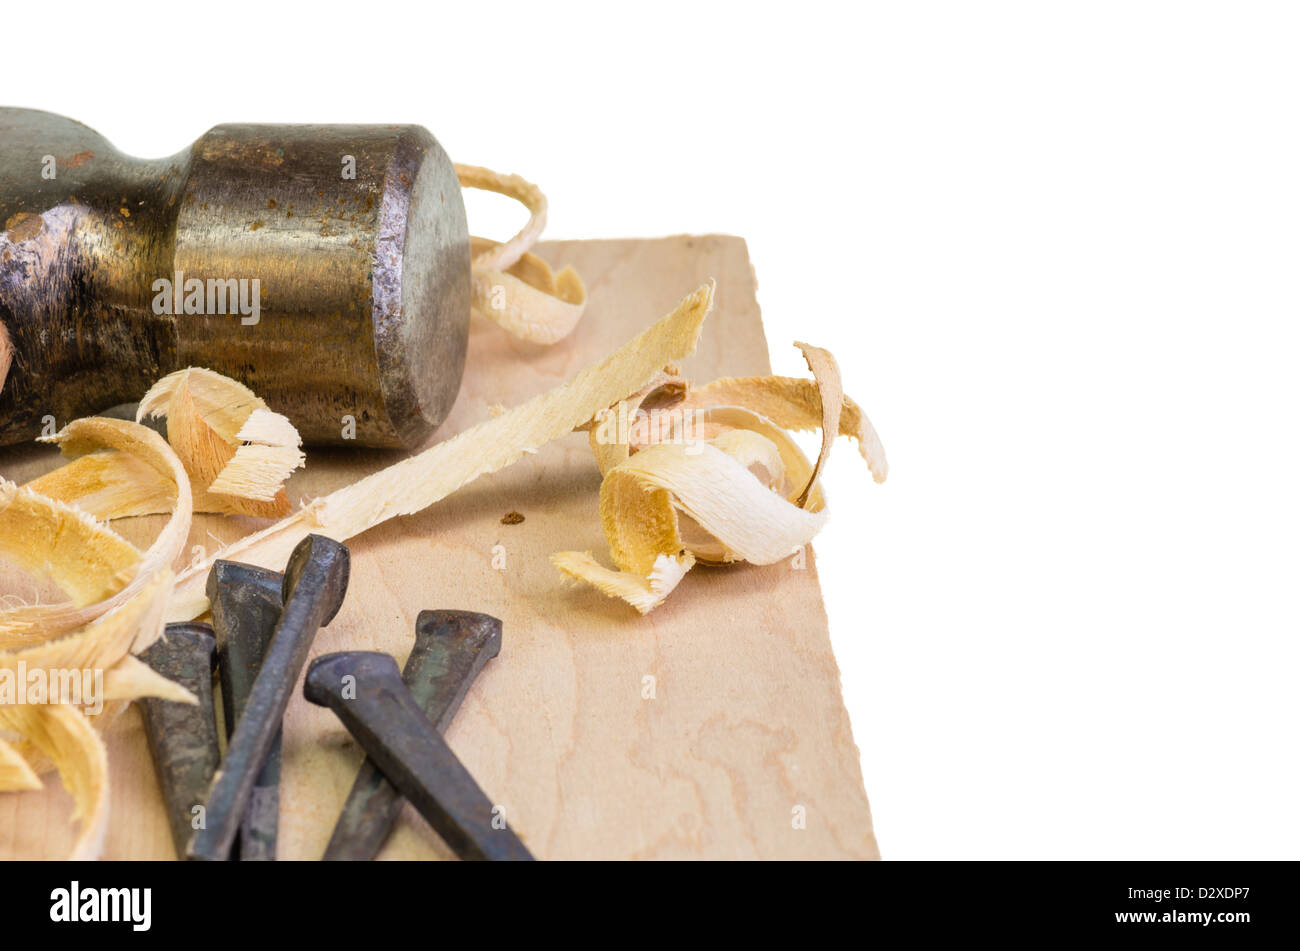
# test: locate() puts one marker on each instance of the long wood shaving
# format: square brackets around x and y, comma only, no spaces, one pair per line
[722,482]
[512,287]
[416,483]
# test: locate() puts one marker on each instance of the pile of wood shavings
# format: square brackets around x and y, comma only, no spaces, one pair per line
[735,487]
[722,482]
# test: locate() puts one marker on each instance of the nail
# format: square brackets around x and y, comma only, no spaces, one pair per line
[365,691]
[183,737]
[451,647]
[315,581]
[246,604]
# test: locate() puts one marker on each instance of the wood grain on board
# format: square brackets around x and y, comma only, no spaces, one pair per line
[741,724]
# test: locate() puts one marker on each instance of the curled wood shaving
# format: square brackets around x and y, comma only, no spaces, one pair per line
[63,733]
[105,645]
[722,482]
[108,484]
[54,540]
[421,480]
[512,287]
[101,644]
[794,404]
[237,452]
[223,404]
[78,438]
[15,774]
[119,596]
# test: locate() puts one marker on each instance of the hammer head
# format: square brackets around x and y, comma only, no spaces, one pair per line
[325,266]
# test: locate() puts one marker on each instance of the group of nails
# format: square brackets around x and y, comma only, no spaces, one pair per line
[263,626]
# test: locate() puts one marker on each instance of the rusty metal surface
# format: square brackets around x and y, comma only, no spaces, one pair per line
[183,737]
[246,605]
[365,691]
[364,281]
[451,647]
[315,582]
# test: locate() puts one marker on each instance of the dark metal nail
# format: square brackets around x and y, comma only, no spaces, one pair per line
[183,737]
[451,647]
[315,582]
[246,604]
[365,691]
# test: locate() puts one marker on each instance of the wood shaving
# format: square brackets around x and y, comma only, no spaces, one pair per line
[512,287]
[131,678]
[61,560]
[118,598]
[107,485]
[64,734]
[101,644]
[53,540]
[421,480]
[106,644]
[722,482]
[15,774]
[237,452]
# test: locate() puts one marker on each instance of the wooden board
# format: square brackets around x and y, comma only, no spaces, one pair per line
[745,723]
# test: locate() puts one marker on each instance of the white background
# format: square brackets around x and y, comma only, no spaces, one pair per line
[1054,247]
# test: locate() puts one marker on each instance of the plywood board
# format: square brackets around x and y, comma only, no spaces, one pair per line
[743,730]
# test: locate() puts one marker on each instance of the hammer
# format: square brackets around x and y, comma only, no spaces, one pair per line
[325,266]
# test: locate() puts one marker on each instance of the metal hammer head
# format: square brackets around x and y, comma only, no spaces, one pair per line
[326,266]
